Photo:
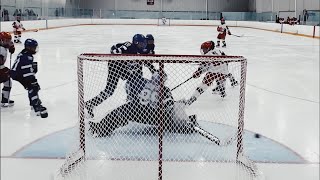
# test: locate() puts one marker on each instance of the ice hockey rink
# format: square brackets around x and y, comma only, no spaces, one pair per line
[282,95]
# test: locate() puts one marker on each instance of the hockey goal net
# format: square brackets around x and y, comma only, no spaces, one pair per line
[164,21]
[135,123]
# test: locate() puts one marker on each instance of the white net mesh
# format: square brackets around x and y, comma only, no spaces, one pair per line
[160,117]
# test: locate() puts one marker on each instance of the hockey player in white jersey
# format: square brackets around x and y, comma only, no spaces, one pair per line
[5,45]
[17,30]
[223,30]
[146,109]
[215,71]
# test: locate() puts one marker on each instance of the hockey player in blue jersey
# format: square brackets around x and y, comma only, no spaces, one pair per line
[145,109]
[150,45]
[24,70]
[130,71]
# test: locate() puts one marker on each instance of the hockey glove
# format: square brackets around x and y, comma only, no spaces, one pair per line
[196,74]
[115,50]
[12,49]
[35,67]
[4,74]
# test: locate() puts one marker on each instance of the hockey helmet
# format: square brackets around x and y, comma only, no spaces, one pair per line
[31,45]
[206,47]
[140,41]
[5,38]
[223,21]
[150,39]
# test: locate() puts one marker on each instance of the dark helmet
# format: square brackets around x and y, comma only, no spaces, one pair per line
[137,38]
[223,21]
[31,45]
[149,37]
[140,41]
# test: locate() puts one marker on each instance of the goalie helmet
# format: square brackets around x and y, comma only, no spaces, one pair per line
[140,41]
[155,79]
[31,45]
[206,47]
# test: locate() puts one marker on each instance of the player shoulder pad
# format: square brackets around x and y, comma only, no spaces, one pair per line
[127,44]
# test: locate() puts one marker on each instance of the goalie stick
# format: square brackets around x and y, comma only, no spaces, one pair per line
[212,137]
[71,163]
[207,134]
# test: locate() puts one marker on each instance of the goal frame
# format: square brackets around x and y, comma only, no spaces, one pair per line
[157,59]
[159,21]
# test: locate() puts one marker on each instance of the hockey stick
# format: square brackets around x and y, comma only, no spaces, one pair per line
[181,84]
[72,162]
[10,61]
[212,137]
[237,35]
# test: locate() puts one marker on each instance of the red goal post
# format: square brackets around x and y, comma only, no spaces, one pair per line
[151,146]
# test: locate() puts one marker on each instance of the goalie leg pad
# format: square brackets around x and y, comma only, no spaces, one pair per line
[115,119]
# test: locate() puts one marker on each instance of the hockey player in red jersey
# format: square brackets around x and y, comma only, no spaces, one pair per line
[17,30]
[5,45]
[215,71]
[222,29]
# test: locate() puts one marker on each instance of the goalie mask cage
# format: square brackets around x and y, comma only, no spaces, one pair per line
[142,146]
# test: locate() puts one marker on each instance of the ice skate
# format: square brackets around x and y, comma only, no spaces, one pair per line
[234,83]
[40,111]
[214,91]
[7,103]
[223,94]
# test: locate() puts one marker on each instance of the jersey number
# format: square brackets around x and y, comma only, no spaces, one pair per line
[148,97]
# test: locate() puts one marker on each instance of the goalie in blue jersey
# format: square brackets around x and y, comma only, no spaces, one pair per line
[146,108]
